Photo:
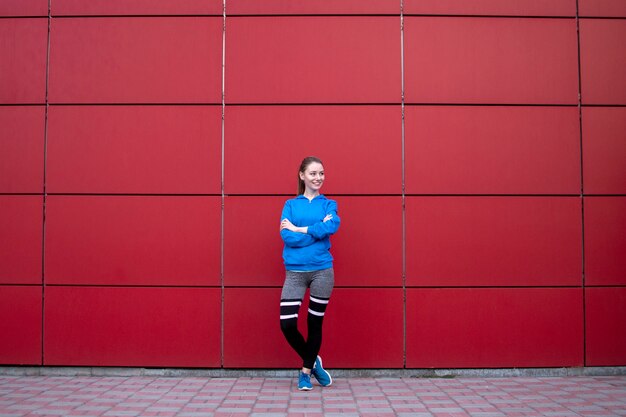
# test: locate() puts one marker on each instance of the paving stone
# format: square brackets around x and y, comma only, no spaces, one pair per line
[268,414]
[414,415]
[233,410]
[278,397]
[49,412]
[121,413]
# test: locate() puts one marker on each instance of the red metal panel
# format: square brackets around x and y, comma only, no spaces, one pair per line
[252,336]
[91,326]
[486,60]
[605,313]
[21,226]
[364,328]
[457,150]
[136,7]
[603,8]
[286,7]
[604,150]
[253,258]
[602,61]
[493,241]
[492,7]
[313,60]
[134,149]
[346,138]
[136,60]
[24,8]
[132,240]
[494,327]
[20,325]
[21,149]
[23,44]
[353,315]
[605,240]
[368,247]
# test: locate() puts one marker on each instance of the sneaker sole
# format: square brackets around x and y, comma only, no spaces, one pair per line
[305,389]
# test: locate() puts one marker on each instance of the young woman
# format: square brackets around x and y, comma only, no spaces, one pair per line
[307,222]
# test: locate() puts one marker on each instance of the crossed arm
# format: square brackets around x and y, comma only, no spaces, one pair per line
[300,236]
[286,224]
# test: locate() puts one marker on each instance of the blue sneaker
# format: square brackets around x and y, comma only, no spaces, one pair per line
[321,374]
[304,382]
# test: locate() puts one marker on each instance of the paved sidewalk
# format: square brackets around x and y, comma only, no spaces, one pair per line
[278,397]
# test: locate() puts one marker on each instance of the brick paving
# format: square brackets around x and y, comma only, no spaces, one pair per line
[41,396]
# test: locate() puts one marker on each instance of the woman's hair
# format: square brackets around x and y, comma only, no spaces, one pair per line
[303,166]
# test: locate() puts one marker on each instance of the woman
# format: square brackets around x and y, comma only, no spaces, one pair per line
[307,222]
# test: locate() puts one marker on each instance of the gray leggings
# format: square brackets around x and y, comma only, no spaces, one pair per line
[321,284]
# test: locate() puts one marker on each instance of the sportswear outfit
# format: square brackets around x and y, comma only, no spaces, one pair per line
[308,264]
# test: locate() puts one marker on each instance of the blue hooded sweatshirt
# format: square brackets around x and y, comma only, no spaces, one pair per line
[309,251]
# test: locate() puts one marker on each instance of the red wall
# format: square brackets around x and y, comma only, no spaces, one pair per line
[477,153]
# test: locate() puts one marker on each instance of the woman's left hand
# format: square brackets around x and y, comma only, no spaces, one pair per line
[286,224]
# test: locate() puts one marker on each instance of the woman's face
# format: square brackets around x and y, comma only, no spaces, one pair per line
[313,176]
